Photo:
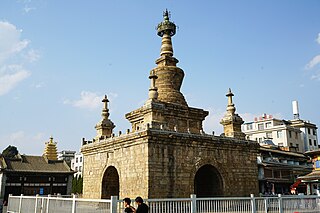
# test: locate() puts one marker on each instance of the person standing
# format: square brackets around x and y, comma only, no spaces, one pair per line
[142,207]
[127,206]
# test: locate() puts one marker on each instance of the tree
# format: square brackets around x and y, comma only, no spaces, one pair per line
[77,183]
[10,152]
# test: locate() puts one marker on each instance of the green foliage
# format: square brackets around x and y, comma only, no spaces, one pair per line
[77,185]
[10,152]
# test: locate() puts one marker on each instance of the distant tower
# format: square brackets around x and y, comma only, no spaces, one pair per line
[50,150]
[231,121]
[295,110]
[105,126]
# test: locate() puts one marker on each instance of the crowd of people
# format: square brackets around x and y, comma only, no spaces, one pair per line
[142,207]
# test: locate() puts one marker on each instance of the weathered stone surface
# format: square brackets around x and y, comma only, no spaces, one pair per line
[159,163]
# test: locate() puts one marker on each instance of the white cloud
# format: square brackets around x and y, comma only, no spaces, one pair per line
[10,76]
[14,56]
[38,85]
[313,62]
[32,55]
[88,100]
[318,38]
[26,143]
[27,9]
[316,76]
[10,41]
[212,121]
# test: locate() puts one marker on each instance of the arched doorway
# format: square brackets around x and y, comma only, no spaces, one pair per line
[110,183]
[208,182]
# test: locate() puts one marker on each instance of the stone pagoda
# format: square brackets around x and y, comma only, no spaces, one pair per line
[166,153]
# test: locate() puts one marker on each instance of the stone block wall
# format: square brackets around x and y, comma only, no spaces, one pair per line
[161,164]
[175,158]
[128,154]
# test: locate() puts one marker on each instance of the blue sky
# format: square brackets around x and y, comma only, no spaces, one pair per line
[58,58]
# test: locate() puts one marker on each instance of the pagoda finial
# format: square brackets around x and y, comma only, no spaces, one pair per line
[166,29]
[230,95]
[105,111]
[166,15]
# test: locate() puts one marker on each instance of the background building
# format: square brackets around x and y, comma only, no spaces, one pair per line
[279,169]
[295,135]
[279,131]
[66,155]
[77,164]
[312,180]
[31,175]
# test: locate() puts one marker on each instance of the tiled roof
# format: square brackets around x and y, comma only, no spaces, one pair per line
[283,152]
[36,164]
[314,175]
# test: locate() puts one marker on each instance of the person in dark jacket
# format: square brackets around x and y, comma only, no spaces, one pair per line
[142,207]
[127,206]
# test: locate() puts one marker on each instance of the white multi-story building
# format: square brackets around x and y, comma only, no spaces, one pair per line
[66,155]
[77,164]
[279,131]
[295,135]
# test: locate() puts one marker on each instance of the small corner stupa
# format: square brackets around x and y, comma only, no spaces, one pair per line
[105,126]
[231,121]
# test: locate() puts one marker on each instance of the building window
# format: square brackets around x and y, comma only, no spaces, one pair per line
[80,159]
[315,143]
[279,134]
[80,168]
[249,127]
[76,160]
[268,124]
[268,173]
[76,169]
[314,132]
[260,127]
[309,131]
[269,134]
[296,135]
[276,174]
[290,134]
[310,142]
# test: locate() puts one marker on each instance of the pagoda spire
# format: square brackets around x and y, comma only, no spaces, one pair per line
[105,126]
[50,150]
[170,76]
[230,108]
[231,121]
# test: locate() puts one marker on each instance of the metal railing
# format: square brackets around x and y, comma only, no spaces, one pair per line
[280,204]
